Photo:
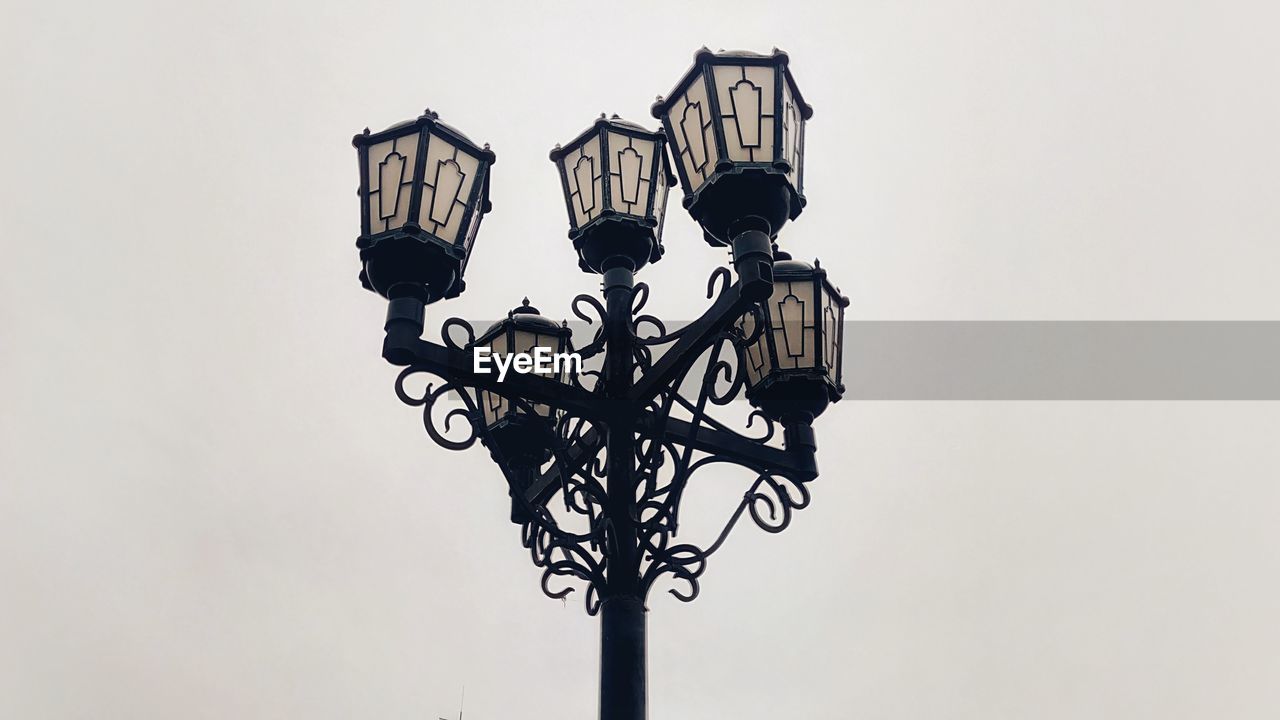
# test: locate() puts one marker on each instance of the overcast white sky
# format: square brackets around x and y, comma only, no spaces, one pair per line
[213,506]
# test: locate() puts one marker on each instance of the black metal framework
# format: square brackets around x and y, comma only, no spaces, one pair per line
[597,461]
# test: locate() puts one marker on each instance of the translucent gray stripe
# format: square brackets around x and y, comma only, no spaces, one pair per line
[1062,360]
[1054,360]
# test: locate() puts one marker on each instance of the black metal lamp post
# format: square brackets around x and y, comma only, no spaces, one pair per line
[597,458]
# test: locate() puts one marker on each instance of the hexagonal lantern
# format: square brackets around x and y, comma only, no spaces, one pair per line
[736,126]
[523,442]
[522,331]
[615,178]
[793,363]
[424,188]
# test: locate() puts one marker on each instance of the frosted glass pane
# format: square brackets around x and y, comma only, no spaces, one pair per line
[630,169]
[755,356]
[792,134]
[499,344]
[390,182]
[831,330]
[494,405]
[660,196]
[469,167]
[474,228]
[746,97]
[584,176]
[792,316]
[693,136]
[448,178]
[526,341]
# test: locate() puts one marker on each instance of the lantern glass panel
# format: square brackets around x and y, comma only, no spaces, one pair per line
[527,341]
[792,135]
[792,320]
[832,314]
[745,94]
[660,197]
[583,173]
[692,123]
[472,230]
[448,177]
[389,177]
[755,355]
[495,406]
[631,165]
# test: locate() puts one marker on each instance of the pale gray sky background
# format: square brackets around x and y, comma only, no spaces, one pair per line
[213,506]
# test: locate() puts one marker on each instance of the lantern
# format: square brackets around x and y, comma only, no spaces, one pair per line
[736,126]
[424,188]
[615,178]
[792,358]
[521,438]
[521,435]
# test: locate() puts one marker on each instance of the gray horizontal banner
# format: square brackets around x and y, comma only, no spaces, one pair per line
[1062,360]
[1052,360]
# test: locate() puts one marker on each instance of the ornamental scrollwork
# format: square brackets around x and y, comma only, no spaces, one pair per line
[561,502]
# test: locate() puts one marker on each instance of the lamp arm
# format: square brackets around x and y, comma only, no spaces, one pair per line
[692,340]
[456,366]
[732,447]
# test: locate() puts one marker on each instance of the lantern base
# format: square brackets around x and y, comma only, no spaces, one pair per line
[735,194]
[524,443]
[612,236]
[409,257]
[794,393]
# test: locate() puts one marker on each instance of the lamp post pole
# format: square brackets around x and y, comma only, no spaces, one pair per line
[612,446]
[622,611]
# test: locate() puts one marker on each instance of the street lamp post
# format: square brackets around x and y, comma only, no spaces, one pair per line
[597,459]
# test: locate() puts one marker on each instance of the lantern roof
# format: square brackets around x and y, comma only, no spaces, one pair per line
[526,317]
[612,122]
[785,266]
[784,263]
[705,57]
[428,118]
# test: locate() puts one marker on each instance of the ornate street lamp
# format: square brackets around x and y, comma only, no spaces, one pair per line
[424,187]
[596,462]
[615,177]
[736,123]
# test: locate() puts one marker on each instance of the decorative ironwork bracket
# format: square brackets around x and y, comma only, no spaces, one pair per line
[614,525]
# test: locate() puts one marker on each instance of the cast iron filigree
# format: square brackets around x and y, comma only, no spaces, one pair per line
[567,521]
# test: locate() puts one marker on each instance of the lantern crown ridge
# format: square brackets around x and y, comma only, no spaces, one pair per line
[705,57]
[607,122]
[429,118]
[527,317]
